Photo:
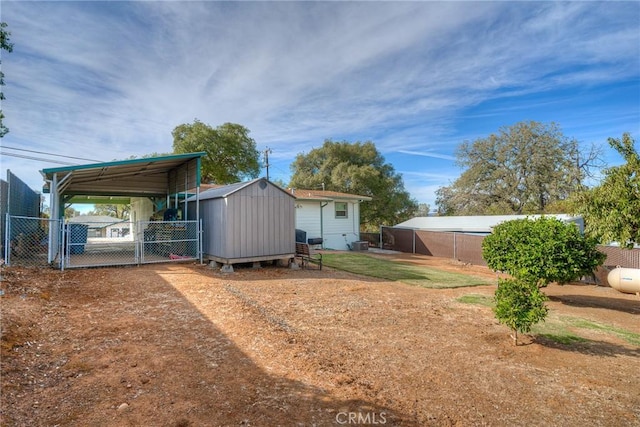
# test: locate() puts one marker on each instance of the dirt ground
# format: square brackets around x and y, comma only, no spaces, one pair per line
[186,345]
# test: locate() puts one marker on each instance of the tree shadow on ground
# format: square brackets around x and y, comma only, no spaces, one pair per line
[618,304]
[589,347]
[145,353]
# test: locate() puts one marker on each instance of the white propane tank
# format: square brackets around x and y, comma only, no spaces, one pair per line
[625,280]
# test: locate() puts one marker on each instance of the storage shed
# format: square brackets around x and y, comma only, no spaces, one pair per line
[247,222]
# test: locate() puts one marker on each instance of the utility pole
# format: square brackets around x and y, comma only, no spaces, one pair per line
[266,160]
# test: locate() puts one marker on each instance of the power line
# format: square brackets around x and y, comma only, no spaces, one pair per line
[50,154]
[42,159]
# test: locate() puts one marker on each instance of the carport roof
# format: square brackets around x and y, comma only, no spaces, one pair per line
[154,176]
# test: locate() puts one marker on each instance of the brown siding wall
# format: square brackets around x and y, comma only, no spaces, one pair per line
[397,239]
[628,258]
[468,248]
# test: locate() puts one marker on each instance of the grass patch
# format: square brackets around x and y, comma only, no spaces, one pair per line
[486,300]
[397,271]
[562,330]
[557,331]
[564,338]
[628,336]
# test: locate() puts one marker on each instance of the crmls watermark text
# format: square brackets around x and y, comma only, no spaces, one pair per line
[370,418]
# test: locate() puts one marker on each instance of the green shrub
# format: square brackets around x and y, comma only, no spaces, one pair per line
[543,250]
[519,305]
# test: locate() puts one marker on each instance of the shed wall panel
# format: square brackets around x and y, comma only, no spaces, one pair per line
[251,222]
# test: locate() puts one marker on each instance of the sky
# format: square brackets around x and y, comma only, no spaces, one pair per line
[103,81]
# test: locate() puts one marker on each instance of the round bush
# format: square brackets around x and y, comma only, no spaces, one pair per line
[541,250]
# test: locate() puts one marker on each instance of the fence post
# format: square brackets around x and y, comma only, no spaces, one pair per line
[60,236]
[200,234]
[137,243]
[63,244]
[455,249]
[7,240]
[413,232]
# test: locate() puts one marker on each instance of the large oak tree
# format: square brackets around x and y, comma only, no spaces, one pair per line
[231,155]
[524,168]
[122,211]
[356,168]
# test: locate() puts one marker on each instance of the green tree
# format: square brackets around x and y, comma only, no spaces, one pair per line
[611,210]
[535,252]
[356,168]
[541,251]
[423,209]
[524,168]
[116,211]
[231,154]
[70,213]
[4,45]
[519,305]
[280,183]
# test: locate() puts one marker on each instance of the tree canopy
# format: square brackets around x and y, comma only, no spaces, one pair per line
[231,155]
[4,45]
[611,210]
[117,211]
[356,168]
[540,251]
[535,252]
[524,168]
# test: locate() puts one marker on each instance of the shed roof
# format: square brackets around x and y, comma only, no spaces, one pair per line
[154,176]
[473,224]
[227,190]
[323,195]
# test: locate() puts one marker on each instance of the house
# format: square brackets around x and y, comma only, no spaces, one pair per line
[331,216]
[103,226]
[250,221]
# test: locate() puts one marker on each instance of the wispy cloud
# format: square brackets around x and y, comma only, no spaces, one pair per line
[428,154]
[112,79]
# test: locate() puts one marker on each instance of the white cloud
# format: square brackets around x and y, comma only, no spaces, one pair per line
[112,79]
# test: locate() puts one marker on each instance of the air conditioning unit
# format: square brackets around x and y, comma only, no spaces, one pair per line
[360,246]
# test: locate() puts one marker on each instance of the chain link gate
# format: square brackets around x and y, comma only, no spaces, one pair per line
[40,242]
[89,244]
[161,241]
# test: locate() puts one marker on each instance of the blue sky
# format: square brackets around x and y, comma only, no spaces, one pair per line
[108,80]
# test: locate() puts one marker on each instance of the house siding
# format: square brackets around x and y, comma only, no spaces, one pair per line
[335,232]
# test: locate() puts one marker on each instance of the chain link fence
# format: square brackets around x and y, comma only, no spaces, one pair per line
[90,244]
[27,240]
[93,244]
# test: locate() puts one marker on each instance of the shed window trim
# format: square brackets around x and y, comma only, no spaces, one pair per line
[342,210]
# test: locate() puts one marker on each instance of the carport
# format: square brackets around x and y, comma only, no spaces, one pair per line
[165,181]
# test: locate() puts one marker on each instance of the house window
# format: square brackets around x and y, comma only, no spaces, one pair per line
[341,210]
